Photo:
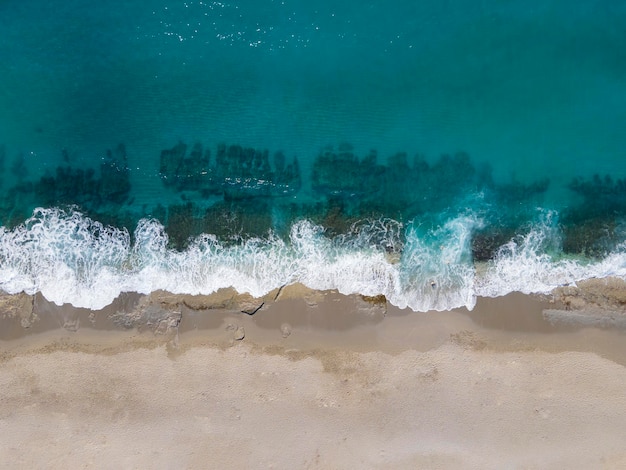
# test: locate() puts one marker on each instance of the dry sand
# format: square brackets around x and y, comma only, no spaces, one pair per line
[313,380]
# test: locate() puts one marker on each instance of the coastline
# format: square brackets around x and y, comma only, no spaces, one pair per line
[304,318]
[316,380]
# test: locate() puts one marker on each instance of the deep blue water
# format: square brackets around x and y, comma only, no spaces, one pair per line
[372,147]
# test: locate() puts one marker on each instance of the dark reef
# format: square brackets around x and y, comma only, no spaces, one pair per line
[238,172]
[596,223]
[102,197]
[239,192]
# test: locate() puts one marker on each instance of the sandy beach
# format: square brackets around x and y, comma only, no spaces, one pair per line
[327,235]
[303,379]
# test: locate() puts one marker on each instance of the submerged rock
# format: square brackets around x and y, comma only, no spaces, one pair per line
[342,174]
[233,220]
[600,197]
[487,242]
[114,176]
[171,161]
[596,224]
[239,173]
[594,237]
[181,224]
[100,198]
[246,192]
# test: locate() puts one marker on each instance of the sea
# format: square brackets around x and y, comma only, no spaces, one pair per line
[431,152]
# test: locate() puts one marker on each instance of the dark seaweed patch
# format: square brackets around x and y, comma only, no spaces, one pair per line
[239,192]
[594,225]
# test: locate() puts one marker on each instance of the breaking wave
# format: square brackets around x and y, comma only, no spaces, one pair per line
[73,259]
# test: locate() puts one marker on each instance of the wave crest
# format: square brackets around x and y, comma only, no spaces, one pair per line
[71,258]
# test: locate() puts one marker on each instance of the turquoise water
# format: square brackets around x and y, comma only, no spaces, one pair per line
[378,147]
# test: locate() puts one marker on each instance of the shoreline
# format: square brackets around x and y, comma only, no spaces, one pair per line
[315,380]
[298,317]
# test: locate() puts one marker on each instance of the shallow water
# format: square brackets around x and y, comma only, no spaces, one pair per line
[380,149]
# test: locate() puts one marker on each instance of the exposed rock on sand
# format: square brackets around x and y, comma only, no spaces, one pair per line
[160,313]
[592,302]
[285,330]
[239,334]
[336,384]
[607,293]
[20,306]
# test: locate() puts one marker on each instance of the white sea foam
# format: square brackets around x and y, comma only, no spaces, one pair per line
[533,264]
[72,259]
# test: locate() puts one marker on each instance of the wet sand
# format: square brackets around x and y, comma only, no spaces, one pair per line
[315,380]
